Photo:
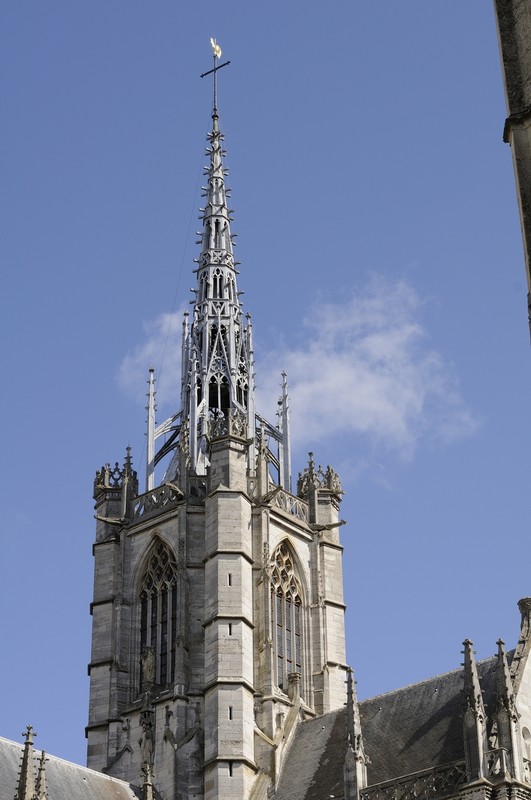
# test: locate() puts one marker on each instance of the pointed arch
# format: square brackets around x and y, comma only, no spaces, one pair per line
[286,615]
[157,597]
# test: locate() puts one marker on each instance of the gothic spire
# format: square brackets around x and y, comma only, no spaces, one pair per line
[217,367]
[218,379]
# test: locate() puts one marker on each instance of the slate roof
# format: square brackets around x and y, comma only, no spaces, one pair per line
[405,731]
[66,781]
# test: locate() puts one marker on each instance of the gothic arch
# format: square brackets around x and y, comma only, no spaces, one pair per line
[156,600]
[288,611]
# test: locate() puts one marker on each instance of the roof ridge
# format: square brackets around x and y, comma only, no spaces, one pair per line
[423,681]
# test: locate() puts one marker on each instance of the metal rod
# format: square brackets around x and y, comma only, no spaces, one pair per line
[210,71]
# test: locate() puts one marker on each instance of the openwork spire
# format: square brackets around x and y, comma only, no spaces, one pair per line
[218,380]
[217,372]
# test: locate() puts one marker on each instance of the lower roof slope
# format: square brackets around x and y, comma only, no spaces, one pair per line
[66,781]
[405,731]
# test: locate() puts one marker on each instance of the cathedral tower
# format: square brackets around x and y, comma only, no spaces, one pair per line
[218,615]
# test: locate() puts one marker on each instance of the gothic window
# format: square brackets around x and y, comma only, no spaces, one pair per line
[158,616]
[203,286]
[286,616]
[218,399]
[230,289]
[217,284]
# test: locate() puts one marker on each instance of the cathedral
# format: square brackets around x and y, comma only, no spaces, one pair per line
[218,667]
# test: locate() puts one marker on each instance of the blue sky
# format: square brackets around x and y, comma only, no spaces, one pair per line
[380,248]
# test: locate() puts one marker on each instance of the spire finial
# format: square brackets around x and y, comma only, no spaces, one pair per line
[505,684]
[28,734]
[472,688]
[355,765]
[474,718]
[42,788]
[150,432]
[351,691]
[26,782]
[216,53]
[506,715]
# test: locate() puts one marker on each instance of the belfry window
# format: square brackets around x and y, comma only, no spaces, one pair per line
[217,284]
[218,398]
[286,616]
[158,618]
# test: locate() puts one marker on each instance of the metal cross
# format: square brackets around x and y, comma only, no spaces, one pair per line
[216,49]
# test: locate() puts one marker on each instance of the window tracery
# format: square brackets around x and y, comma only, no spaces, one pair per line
[286,615]
[158,615]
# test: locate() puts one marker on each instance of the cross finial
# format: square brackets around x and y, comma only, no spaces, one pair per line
[216,53]
[29,734]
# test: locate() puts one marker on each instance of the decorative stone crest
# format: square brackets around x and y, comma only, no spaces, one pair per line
[116,477]
[312,478]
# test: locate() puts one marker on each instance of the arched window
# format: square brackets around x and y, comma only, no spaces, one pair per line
[286,616]
[158,617]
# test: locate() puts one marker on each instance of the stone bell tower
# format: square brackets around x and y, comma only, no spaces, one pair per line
[218,615]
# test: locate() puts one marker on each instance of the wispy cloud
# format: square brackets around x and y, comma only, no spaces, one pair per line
[362,368]
[160,349]
[366,368]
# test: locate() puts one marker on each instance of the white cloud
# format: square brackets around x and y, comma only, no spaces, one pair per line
[366,368]
[160,349]
[363,367]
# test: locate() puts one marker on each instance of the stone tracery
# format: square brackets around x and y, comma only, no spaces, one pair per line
[286,604]
[158,617]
